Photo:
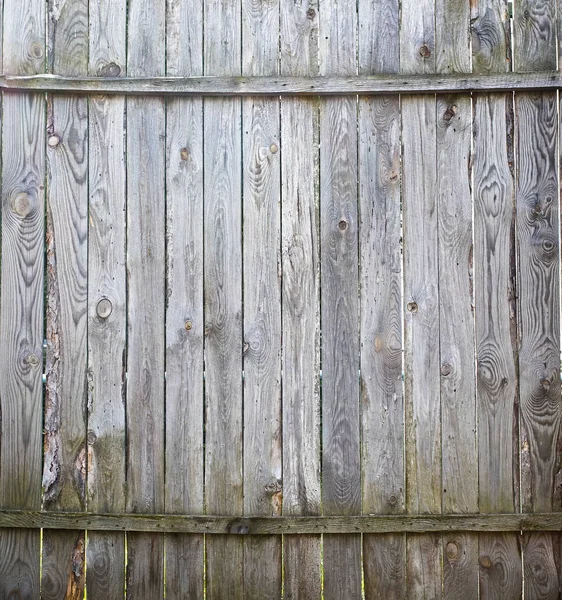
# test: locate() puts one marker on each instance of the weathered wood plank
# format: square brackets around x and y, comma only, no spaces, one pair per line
[459,463]
[262,300]
[21,296]
[341,463]
[500,566]
[421,300]
[105,553]
[184,301]
[146,298]
[300,301]
[65,453]
[410,84]
[241,526]
[380,259]
[223,299]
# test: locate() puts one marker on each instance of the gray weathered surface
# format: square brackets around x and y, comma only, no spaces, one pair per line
[339,224]
[21,299]
[223,300]
[146,297]
[184,301]
[105,553]
[263,491]
[300,256]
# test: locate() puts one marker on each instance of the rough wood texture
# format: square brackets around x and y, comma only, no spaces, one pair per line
[263,482]
[223,300]
[500,566]
[146,298]
[341,470]
[105,553]
[65,452]
[21,296]
[184,301]
[538,282]
[286,86]
[380,259]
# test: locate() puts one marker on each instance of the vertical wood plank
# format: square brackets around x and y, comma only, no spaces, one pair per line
[421,301]
[456,318]
[105,552]
[262,300]
[65,458]
[341,465]
[380,259]
[300,301]
[223,300]
[538,283]
[494,300]
[146,298]
[184,301]
[21,296]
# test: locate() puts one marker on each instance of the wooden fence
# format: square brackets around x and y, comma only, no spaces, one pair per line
[280,300]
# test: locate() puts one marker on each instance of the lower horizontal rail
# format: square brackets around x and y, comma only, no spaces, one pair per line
[283,86]
[281,525]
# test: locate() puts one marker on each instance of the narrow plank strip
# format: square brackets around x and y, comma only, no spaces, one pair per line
[459,462]
[21,296]
[105,552]
[241,526]
[65,453]
[286,85]
[380,258]
[262,300]
[341,468]
[223,300]
[184,308]
[300,301]
[146,299]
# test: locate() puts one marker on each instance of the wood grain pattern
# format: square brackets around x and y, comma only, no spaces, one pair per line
[146,299]
[65,452]
[262,299]
[184,301]
[496,384]
[300,301]
[21,296]
[380,259]
[223,300]
[341,468]
[105,553]
[500,571]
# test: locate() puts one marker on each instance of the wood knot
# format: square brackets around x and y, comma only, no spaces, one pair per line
[240,527]
[104,308]
[273,148]
[22,204]
[310,14]
[342,225]
[446,369]
[393,500]
[184,154]
[53,141]
[452,551]
[485,562]
[425,52]
[32,360]
[36,50]
[92,437]
[188,325]
[412,307]
[450,112]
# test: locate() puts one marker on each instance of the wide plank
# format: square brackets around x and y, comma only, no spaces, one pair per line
[107,328]
[21,296]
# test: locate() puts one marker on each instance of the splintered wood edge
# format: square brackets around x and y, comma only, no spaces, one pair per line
[284,86]
[280,525]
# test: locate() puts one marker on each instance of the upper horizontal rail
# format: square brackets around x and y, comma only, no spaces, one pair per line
[284,86]
[280,525]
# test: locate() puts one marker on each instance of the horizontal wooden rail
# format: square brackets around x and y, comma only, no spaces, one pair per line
[284,86]
[281,525]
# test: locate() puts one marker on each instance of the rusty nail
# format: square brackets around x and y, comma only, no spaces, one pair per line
[54,140]
[104,308]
